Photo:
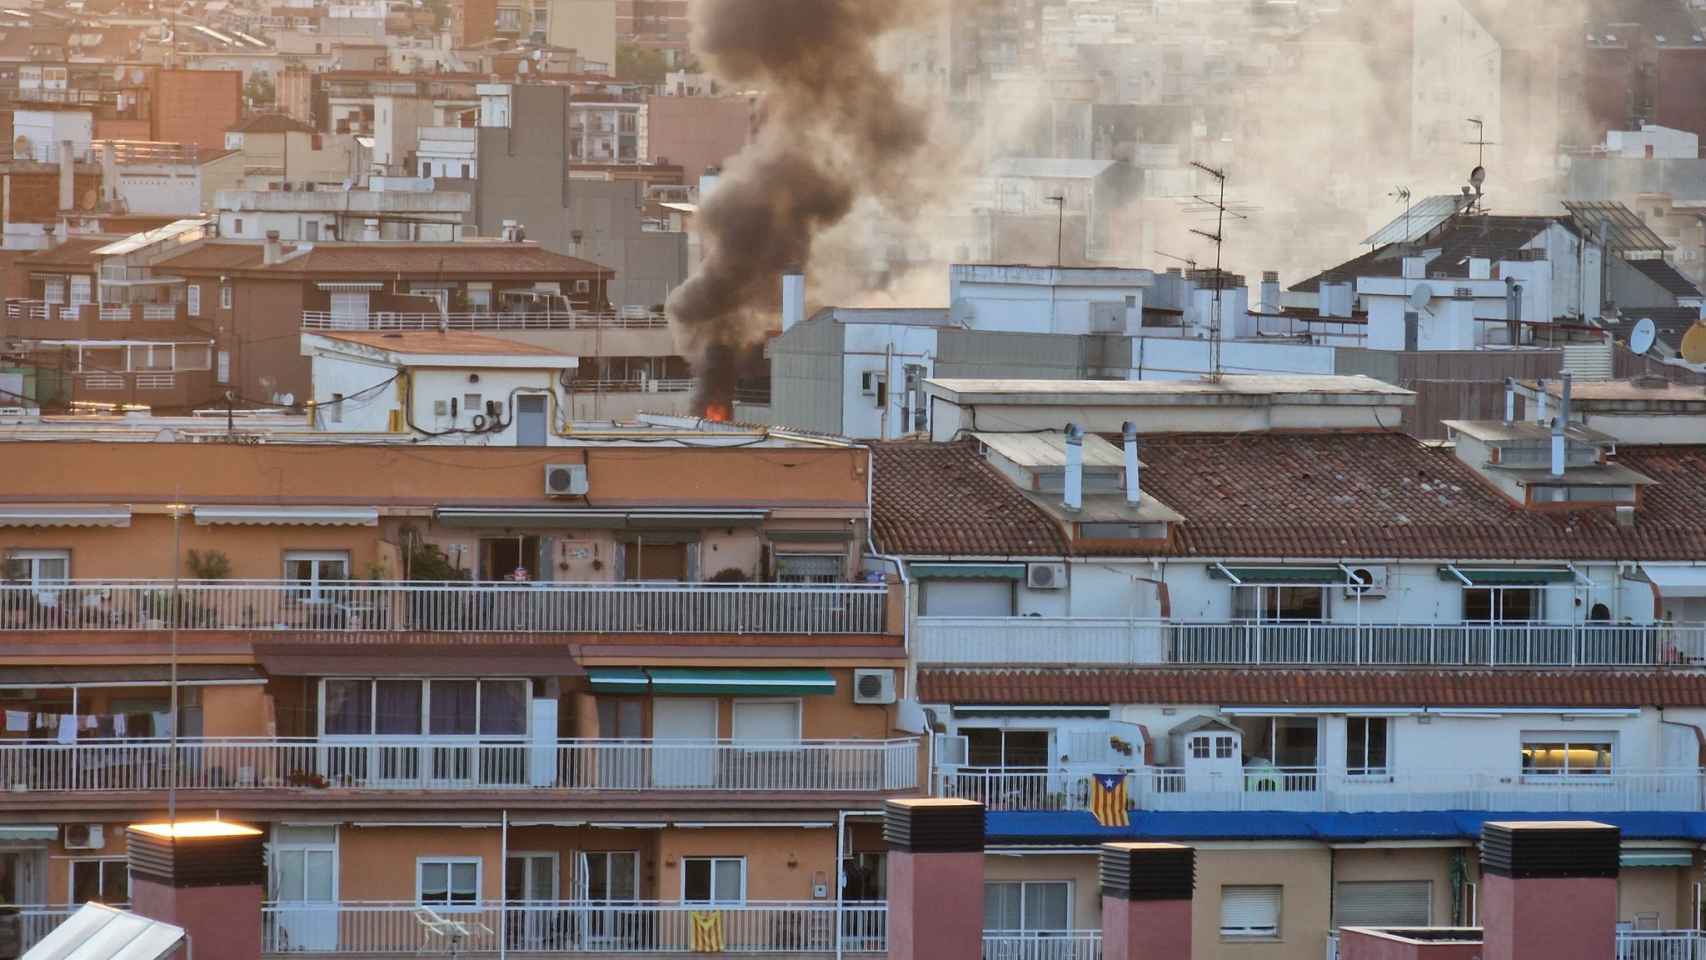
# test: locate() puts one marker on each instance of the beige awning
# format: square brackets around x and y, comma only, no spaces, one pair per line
[301,516]
[108,516]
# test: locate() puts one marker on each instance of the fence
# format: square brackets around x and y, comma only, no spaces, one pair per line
[1007,640]
[1042,945]
[367,606]
[1631,945]
[501,320]
[1455,644]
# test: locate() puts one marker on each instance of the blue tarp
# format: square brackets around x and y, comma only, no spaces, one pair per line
[1080,828]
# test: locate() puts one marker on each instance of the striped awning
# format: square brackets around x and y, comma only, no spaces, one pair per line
[299,516]
[108,516]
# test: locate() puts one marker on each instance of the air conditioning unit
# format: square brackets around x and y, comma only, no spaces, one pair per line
[873,686]
[1371,582]
[84,836]
[565,480]
[1045,576]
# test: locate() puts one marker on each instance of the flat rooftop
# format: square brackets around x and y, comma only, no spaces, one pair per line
[1242,389]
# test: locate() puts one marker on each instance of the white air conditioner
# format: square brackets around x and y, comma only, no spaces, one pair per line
[84,836]
[565,480]
[1371,582]
[1045,576]
[873,686]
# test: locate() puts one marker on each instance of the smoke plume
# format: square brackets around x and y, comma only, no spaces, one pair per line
[836,129]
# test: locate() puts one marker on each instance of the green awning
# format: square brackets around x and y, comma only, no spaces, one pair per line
[617,679]
[1282,575]
[747,683]
[967,571]
[1656,858]
[28,833]
[1506,576]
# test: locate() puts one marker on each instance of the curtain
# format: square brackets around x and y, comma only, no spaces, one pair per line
[398,710]
[349,707]
[453,707]
[503,707]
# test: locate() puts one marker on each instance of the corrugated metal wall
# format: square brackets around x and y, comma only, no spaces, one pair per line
[1450,384]
[805,376]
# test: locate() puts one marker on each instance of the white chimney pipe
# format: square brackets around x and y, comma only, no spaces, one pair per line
[1074,494]
[1270,305]
[1510,400]
[272,251]
[793,298]
[1540,401]
[1133,492]
[1557,446]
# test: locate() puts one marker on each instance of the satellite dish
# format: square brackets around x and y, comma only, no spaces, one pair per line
[1477,177]
[287,399]
[1641,338]
[1694,344]
[1420,296]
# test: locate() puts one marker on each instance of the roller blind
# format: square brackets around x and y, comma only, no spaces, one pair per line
[1249,911]
[1396,903]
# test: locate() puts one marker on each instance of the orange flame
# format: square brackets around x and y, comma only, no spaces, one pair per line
[718,412]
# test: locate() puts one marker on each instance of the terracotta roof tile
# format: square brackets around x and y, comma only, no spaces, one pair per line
[942,499]
[1220,686]
[450,343]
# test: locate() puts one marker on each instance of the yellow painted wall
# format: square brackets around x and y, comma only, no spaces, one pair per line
[235,711]
[781,862]
[1083,871]
[1303,872]
[378,863]
[1432,864]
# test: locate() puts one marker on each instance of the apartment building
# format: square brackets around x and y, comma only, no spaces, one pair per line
[634,683]
[1252,617]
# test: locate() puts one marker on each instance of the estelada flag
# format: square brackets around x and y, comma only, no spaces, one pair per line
[707,931]
[1108,800]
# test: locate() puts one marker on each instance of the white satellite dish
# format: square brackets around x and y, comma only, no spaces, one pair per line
[1641,338]
[1420,296]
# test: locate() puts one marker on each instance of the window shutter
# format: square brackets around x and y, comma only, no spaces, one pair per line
[1249,911]
[194,291]
[1386,903]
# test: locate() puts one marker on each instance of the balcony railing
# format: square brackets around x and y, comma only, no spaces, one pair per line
[477,607]
[504,320]
[437,763]
[1042,945]
[561,927]
[1631,945]
[1316,789]
[1089,640]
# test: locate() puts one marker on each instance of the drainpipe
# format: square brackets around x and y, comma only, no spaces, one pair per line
[1540,399]
[1073,498]
[1133,492]
[1510,400]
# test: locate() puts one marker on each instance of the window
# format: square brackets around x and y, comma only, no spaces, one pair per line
[1502,604]
[1027,905]
[440,707]
[613,876]
[224,366]
[310,230]
[1387,903]
[1546,754]
[194,299]
[1279,603]
[994,747]
[81,290]
[766,720]
[621,718]
[448,882]
[225,294]
[337,411]
[1200,747]
[103,881]
[426,169]
[1224,745]
[315,571]
[37,567]
[1366,745]
[237,226]
[808,568]
[583,286]
[713,879]
[1249,912]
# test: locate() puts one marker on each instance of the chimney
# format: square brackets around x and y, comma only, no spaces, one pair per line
[109,175]
[1271,293]
[205,876]
[271,251]
[67,176]
[1510,400]
[1480,268]
[1513,311]
[1073,497]
[506,231]
[1540,400]
[1146,900]
[1133,492]
[49,236]
[1335,298]
[935,878]
[370,230]
[1559,424]
[1548,889]
[793,298]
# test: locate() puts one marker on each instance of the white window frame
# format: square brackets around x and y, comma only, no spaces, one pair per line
[713,861]
[311,589]
[279,847]
[421,863]
[1584,738]
[610,872]
[222,366]
[34,556]
[1363,769]
[1024,891]
[798,704]
[71,877]
[426,709]
[1260,932]
[193,297]
[225,294]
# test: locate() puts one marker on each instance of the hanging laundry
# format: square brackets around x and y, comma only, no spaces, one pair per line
[17,721]
[91,722]
[68,728]
[118,725]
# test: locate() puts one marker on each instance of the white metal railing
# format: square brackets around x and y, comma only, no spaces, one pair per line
[119,312]
[159,311]
[1042,945]
[100,381]
[682,385]
[35,310]
[1101,640]
[1008,640]
[35,922]
[1631,945]
[586,926]
[495,320]
[367,606]
[155,381]
[466,763]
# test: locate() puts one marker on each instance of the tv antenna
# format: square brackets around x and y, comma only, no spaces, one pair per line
[1219,238]
[1187,261]
[1402,195]
[1480,143]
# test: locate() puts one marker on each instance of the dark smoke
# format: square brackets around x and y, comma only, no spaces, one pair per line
[835,129]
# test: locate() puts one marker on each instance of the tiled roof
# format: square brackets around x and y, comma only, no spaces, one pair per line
[1666,276]
[76,252]
[454,342]
[1495,237]
[1219,686]
[942,499]
[467,258]
[1316,495]
[272,123]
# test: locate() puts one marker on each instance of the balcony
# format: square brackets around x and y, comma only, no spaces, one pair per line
[1323,790]
[455,607]
[1120,642]
[313,320]
[1042,945]
[1631,945]
[461,764]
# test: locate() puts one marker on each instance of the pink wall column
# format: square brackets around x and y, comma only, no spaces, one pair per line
[935,879]
[1146,900]
[206,877]
[1549,890]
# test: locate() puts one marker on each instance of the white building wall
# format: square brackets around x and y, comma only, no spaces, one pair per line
[1171,358]
[337,374]
[45,129]
[175,190]
[869,348]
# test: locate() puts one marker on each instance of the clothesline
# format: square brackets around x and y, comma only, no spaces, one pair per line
[66,725]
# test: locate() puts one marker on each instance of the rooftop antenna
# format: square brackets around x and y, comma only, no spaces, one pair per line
[1219,238]
[1480,143]
[1187,261]
[1402,194]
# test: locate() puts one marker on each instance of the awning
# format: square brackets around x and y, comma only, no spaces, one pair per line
[967,571]
[1279,575]
[329,659]
[585,518]
[838,535]
[617,679]
[1655,858]
[349,287]
[28,833]
[127,675]
[759,683]
[1506,576]
[65,516]
[288,516]
[1677,582]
